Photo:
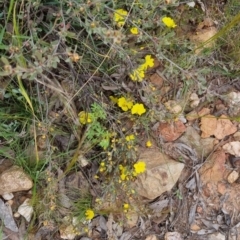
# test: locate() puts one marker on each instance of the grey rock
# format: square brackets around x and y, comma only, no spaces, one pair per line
[7,218]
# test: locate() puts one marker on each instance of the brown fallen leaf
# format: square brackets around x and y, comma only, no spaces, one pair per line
[224,127]
[156,80]
[208,125]
[220,128]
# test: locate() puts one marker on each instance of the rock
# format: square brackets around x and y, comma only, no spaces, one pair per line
[26,210]
[173,107]
[216,236]
[14,180]
[236,136]
[232,148]
[173,236]
[171,131]
[151,237]
[6,217]
[233,176]
[67,232]
[214,170]
[161,173]
[8,196]
[203,147]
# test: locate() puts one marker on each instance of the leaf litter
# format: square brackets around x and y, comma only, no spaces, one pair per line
[204,188]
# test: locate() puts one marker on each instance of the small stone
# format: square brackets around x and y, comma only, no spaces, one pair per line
[14,180]
[194,103]
[236,136]
[7,196]
[151,237]
[173,236]
[67,232]
[26,210]
[216,236]
[193,97]
[195,227]
[10,202]
[17,215]
[6,217]
[233,176]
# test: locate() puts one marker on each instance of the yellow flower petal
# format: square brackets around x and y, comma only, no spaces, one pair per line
[125,104]
[134,30]
[84,117]
[130,137]
[139,167]
[148,143]
[138,108]
[119,16]
[169,22]
[89,214]
[149,61]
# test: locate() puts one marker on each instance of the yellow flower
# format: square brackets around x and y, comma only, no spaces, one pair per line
[123,176]
[169,22]
[148,143]
[134,30]
[139,167]
[138,108]
[130,137]
[119,16]
[123,171]
[84,117]
[138,74]
[125,206]
[125,104]
[149,61]
[89,214]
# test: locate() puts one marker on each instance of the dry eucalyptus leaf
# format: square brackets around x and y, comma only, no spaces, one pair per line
[232,148]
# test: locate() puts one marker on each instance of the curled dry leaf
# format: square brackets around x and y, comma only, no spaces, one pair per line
[232,148]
